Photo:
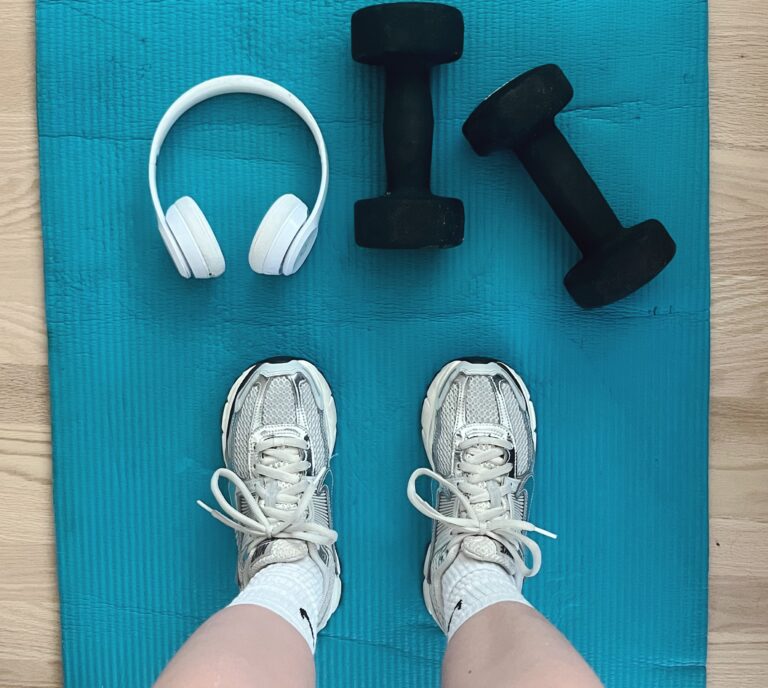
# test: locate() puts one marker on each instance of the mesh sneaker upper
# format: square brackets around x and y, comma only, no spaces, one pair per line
[483,400]
[477,410]
[275,406]
[267,406]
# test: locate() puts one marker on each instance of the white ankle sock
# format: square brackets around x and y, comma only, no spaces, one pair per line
[292,590]
[469,586]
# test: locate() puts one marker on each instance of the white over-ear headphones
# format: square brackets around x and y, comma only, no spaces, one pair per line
[286,234]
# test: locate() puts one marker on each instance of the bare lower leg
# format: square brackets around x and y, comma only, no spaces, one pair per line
[244,646]
[511,645]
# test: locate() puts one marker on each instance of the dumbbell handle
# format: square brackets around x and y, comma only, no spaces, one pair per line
[568,188]
[408,125]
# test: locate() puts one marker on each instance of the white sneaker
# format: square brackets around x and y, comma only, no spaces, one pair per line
[278,433]
[479,431]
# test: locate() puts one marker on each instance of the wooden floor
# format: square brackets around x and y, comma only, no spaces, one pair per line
[738,605]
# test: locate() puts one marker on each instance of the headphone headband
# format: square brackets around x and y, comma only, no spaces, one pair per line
[223,85]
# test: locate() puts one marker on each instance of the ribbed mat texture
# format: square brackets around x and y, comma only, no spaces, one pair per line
[141,360]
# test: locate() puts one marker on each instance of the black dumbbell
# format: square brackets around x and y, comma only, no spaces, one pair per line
[520,116]
[408,39]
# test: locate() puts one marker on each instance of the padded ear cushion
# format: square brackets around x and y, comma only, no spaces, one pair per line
[275,234]
[195,238]
[300,248]
[174,250]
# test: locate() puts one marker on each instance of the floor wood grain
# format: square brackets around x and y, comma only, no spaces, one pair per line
[738,606]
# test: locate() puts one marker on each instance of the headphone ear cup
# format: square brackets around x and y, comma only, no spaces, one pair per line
[272,241]
[195,238]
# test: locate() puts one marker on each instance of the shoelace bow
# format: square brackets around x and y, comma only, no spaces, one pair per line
[278,495]
[483,459]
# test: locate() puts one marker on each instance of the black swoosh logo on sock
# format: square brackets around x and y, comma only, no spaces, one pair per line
[455,609]
[305,616]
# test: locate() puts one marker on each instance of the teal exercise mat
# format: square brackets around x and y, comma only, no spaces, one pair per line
[141,360]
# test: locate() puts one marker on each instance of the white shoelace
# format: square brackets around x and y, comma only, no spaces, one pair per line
[483,459]
[277,496]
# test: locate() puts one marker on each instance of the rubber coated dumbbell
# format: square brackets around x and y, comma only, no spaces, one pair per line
[408,39]
[520,116]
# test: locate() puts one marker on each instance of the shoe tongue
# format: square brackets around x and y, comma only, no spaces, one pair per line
[486,430]
[275,431]
[482,548]
[278,551]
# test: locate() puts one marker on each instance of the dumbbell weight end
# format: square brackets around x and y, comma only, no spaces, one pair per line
[621,265]
[409,222]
